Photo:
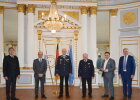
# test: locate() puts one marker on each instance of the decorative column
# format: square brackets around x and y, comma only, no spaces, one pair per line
[84,12]
[1,35]
[76,57]
[75,52]
[30,35]
[21,10]
[114,34]
[40,40]
[92,39]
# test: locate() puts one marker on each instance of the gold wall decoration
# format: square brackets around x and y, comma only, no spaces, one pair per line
[1,9]
[39,34]
[42,13]
[72,14]
[93,10]
[76,35]
[84,10]
[31,8]
[113,12]
[21,8]
[129,17]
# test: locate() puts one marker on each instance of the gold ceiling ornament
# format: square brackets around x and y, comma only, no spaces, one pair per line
[31,8]
[42,13]
[93,10]
[84,10]
[76,32]
[129,17]
[113,12]
[72,14]
[21,8]
[39,34]
[53,22]
[1,9]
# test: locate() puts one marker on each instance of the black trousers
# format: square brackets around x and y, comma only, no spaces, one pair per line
[42,81]
[66,85]
[10,87]
[89,81]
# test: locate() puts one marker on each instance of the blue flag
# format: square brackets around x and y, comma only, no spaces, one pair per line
[71,78]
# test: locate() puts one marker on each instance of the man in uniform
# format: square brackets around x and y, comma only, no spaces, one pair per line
[85,73]
[11,72]
[64,70]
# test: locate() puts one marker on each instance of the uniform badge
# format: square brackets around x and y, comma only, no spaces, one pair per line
[67,60]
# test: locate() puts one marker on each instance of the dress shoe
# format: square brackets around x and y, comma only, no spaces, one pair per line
[67,96]
[83,96]
[105,96]
[60,96]
[90,96]
[43,96]
[14,99]
[129,98]
[111,98]
[36,97]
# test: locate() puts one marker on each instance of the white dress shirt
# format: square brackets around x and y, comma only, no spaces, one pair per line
[40,59]
[105,63]
[125,61]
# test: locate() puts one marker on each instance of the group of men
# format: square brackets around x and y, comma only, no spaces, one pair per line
[63,68]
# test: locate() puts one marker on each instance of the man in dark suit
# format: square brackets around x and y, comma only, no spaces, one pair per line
[64,70]
[108,68]
[127,68]
[40,68]
[11,72]
[85,73]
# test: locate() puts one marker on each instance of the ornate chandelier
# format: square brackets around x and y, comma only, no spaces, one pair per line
[54,22]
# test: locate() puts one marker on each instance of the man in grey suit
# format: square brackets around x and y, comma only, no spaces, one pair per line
[108,68]
[40,68]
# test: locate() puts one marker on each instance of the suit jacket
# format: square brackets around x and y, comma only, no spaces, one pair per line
[110,66]
[130,66]
[86,69]
[63,66]
[11,66]
[39,68]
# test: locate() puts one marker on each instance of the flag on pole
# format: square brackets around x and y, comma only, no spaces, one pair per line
[71,78]
[57,52]
[57,55]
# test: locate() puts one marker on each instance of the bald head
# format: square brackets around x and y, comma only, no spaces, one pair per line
[125,51]
[40,54]
[85,56]
[64,51]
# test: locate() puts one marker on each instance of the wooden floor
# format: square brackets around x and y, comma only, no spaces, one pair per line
[28,94]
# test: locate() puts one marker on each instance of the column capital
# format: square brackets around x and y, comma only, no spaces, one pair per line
[93,10]
[84,10]
[1,9]
[76,32]
[31,8]
[113,12]
[21,8]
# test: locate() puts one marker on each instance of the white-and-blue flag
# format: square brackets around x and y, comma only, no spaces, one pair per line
[71,78]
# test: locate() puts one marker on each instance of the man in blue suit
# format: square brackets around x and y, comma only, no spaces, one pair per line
[127,68]
[85,73]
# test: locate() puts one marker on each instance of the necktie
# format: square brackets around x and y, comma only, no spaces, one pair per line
[40,61]
[124,64]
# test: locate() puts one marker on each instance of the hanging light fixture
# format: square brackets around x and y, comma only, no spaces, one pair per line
[54,22]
